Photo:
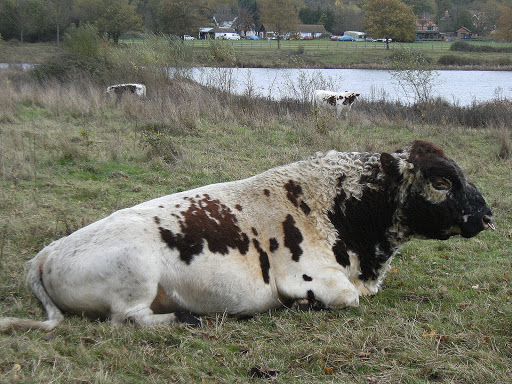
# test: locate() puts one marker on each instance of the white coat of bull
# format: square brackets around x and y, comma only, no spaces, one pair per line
[294,232]
[340,101]
[133,88]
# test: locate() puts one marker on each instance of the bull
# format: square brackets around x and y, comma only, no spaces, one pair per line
[339,101]
[324,230]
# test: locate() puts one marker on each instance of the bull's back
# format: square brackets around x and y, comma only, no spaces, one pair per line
[194,251]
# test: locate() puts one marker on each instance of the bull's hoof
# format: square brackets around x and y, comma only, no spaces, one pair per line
[304,305]
[188,319]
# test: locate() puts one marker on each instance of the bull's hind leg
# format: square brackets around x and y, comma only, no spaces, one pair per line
[146,317]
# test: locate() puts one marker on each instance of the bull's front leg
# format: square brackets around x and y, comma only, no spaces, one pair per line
[323,288]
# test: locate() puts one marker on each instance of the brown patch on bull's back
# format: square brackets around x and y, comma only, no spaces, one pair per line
[292,237]
[238,207]
[307,278]
[294,193]
[331,100]
[273,244]
[264,261]
[305,208]
[157,219]
[206,220]
[266,192]
[254,231]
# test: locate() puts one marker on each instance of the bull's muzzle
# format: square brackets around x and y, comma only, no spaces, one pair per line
[488,222]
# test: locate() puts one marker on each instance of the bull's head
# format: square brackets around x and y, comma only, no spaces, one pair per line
[436,200]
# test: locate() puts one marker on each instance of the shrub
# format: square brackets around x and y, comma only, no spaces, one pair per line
[69,66]
[463,46]
[149,60]
[453,60]
[414,73]
[83,40]
[158,137]
[222,52]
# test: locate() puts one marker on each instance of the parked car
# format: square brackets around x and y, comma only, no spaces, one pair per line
[254,38]
[230,36]
[334,37]
[188,37]
[383,40]
[371,39]
[346,38]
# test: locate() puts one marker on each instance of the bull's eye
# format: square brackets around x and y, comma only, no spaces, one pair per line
[441,183]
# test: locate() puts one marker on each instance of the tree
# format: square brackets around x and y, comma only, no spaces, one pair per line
[421,8]
[279,15]
[112,17]
[347,17]
[20,16]
[486,16]
[60,13]
[244,22]
[179,17]
[390,19]
[505,24]
[83,40]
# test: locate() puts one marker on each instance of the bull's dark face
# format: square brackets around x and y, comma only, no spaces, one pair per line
[440,201]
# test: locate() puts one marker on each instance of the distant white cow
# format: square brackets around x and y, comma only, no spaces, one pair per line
[341,101]
[134,88]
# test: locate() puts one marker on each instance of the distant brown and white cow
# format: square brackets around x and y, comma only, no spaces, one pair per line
[133,88]
[324,229]
[340,101]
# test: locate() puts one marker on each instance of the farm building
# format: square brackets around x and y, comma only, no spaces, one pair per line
[427,30]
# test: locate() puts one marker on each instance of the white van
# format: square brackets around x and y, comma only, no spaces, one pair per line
[230,36]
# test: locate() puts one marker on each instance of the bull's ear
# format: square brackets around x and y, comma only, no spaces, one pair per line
[389,165]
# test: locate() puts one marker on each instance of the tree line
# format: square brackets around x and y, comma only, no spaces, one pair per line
[46,20]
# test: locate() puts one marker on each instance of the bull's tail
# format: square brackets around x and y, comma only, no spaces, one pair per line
[35,281]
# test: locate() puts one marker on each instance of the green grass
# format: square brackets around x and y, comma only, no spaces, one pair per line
[293,54]
[66,161]
[337,54]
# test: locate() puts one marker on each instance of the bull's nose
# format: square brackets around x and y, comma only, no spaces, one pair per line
[488,222]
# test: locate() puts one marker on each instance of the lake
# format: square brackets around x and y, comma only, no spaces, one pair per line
[457,87]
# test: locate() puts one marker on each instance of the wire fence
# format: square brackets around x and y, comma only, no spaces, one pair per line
[321,45]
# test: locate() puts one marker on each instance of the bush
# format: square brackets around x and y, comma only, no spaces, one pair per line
[83,40]
[149,60]
[69,66]
[463,46]
[453,60]
[414,73]
[222,52]
[439,112]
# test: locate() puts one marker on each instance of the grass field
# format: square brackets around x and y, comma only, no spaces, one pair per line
[337,54]
[293,54]
[70,156]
